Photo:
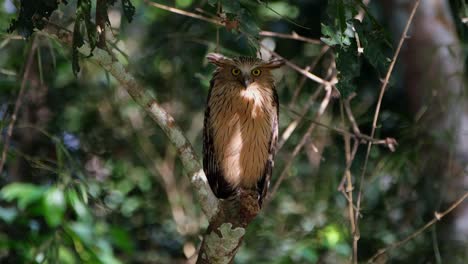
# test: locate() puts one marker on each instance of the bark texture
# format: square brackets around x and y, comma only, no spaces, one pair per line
[227,228]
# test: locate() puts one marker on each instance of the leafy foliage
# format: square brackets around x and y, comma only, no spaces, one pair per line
[344,32]
[83,24]
[128,10]
[32,15]
[90,179]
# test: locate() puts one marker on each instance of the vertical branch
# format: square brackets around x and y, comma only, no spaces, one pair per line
[348,191]
[19,99]
[379,103]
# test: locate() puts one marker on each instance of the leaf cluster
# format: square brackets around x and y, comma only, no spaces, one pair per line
[350,37]
[34,15]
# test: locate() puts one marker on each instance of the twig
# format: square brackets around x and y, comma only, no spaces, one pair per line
[293,36]
[349,182]
[293,125]
[347,177]
[309,75]
[388,142]
[360,15]
[184,13]
[379,102]
[219,22]
[349,113]
[305,137]
[9,134]
[437,217]
[309,68]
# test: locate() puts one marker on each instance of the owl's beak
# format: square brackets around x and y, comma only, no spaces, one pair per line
[246,81]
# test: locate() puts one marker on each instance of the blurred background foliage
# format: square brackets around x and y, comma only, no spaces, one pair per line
[89,178]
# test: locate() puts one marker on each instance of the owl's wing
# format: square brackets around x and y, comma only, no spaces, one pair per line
[264,182]
[211,166]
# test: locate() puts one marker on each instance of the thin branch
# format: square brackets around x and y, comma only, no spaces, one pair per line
[309,75]
[349,155]
[309,68]
[166,122]
[310,101]
[293,36]
[390,143]
[437,217]
[379,102]
[219,22]
[185,13]
[293,125]
[305,137]
[349,113]
[19,99]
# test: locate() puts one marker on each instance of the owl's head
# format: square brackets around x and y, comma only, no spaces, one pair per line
[245,70]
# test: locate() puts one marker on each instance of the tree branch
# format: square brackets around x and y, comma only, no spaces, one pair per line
[14,116]
[379,103]
[190,161]
[437,217]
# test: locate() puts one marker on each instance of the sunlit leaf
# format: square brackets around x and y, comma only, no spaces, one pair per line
[25,193]
[54,206]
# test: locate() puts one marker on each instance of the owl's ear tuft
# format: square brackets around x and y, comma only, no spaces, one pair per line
[273,63]
[218,59]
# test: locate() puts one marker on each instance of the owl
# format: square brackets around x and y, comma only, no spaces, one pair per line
[241,125]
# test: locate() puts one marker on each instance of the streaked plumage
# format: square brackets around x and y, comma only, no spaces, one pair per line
[241,125]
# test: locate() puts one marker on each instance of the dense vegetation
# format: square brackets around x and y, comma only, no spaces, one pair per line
[87,176]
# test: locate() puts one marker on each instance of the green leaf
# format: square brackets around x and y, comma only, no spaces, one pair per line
[78,206]
[375,42]
[84,231]
[54,206]
[25,193]
[121,239]
[338,28]
[66,256]
[348,65]
[341,16]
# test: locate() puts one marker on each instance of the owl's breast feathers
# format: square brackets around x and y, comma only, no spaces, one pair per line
[241,134]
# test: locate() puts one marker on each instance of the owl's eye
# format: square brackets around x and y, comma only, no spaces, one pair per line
[256,72]
[235,71]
